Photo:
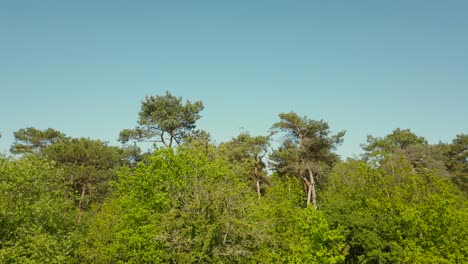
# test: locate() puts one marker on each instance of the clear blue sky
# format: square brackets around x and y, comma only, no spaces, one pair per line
[368,67]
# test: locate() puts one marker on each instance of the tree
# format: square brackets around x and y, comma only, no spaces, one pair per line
[294,234]
[307,150]
[455,158]
[36,219]
[164,119]
[184,205]
[32,140]
[398,216]
[209,216]
[245,154]
[89,165]
[401,141]
[398,139]
[388,150]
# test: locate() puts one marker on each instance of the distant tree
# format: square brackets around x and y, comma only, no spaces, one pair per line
[307,150]
[455,157]
[398,139]
[387,151]
[201,136]
[164,119]
[32,140]
[245,153]
[89,166]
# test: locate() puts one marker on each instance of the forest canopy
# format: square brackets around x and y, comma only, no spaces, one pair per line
[188,200]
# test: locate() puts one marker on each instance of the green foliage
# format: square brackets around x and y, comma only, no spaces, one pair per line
[402,141]
[449,160]
[245,156]
[36,219]
[85,152]
[77,200]
[89,165]
[296,234]
[308,141]
[402,215]
[455,157]
[127,221]
[183,206]
[313,136]
[307,152]
[208,219]
[423,156]
[121,232]
[398,139]
[32,140]
[164,119]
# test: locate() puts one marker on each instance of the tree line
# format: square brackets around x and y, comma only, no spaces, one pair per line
[188,200]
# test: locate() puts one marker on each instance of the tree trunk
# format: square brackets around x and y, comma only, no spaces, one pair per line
[311,190]
[82,205]
[163,140]
[257,180]
[258,189]
[309,193]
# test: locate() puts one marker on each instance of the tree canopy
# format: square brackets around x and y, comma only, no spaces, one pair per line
[32,140]
[307,151]
[192,200]
[164,119]
[246,155]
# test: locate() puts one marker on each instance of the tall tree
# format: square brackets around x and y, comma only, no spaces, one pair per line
[164,119]
[89,165]
[398,139]
[307,150]
[245,153]
[32,140]
[387,150]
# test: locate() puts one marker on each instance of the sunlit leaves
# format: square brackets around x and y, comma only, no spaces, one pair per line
[36,218]
[398,215]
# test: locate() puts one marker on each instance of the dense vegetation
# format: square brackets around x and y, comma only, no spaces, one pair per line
[79,200]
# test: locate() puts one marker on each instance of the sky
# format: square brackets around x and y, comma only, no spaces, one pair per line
[367,67]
